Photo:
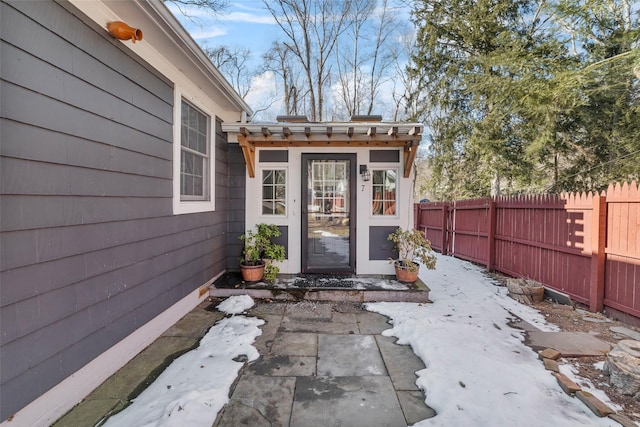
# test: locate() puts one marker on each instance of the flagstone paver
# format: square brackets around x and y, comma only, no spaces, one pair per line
[341,370]
[346,401]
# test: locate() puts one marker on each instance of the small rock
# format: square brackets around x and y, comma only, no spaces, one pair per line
[551,365]
[566,384]
[588,316]
[593,403]
[549,353]
[621,330]
[558,297]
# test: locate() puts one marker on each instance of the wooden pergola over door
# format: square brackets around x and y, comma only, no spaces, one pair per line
[331,134]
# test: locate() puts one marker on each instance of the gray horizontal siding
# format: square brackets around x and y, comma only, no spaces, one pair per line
[37,178]
[78,48]
[52,82]
[90,247]
[112,268]
[236,202]
[43,245]
[21,212]
[59,148]
[36,110]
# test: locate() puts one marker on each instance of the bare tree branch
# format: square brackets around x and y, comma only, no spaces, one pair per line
[216,7]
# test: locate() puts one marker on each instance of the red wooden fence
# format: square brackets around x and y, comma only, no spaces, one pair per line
[585,245]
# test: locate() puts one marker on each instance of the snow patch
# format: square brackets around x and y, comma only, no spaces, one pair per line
[236,304]
[192,390]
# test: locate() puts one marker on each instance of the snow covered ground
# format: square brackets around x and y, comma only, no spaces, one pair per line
[478,371]
[195,387]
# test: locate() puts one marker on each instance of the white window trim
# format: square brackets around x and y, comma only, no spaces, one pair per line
[192,206]
[383,166]
[275,166]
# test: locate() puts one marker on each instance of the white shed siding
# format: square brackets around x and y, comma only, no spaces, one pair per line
[363,217]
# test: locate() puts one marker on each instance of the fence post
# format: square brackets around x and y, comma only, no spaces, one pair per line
[491,236]
[445,213]
[598,241]
[416,216]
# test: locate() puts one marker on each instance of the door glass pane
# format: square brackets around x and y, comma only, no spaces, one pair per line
[328,213]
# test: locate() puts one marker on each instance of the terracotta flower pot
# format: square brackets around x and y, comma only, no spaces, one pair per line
[405,273]
[252,273]
[122,31]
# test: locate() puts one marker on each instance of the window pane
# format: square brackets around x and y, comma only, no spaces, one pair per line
[198,166]
[187,181]
[197,185]
[267,177]
[192,120]
[183,136]
[184,113]
[202,125]
[267,193]
[274,192]
[187,163]
[201,144]
[384,192]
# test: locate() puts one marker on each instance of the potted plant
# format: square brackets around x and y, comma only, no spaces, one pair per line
[259,253]
[413,249]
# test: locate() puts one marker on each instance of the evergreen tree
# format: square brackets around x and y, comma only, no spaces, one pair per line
[534,96]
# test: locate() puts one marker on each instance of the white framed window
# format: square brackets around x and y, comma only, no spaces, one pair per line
[274,192]
[193,157]
[194,153]
[384,194]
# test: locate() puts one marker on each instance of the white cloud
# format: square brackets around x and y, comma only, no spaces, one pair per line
[208,33]
[264,97]
[251,18]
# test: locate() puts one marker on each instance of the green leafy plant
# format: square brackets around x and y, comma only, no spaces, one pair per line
[259,249]
[412,245]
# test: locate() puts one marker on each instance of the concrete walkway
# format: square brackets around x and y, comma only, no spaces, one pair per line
[321,364]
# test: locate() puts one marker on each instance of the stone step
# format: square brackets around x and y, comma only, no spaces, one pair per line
[361,288]
[336,295]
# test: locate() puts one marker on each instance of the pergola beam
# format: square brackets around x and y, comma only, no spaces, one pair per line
[305,134]
[249,154]
[409,157]
[298,140]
